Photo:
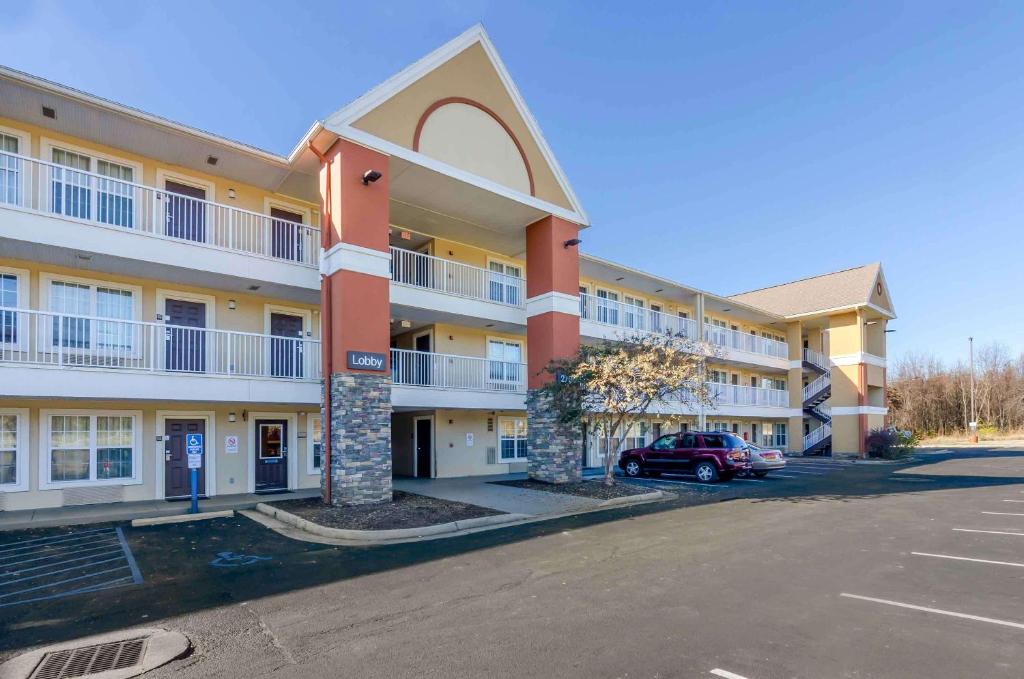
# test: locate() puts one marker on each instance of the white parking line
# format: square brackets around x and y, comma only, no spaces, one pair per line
[965,558]
[781,476]
[748,480]
[1002,514]
[993,532]
[939,611]
[798,471]
[1013,500]
[726,674]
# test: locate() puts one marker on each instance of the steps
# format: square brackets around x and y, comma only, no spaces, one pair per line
[814,396]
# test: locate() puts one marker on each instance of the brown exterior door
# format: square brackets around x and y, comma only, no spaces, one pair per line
[185,213]
[286,345]
[185,347]
[286,235]
[271,455]
[176,471]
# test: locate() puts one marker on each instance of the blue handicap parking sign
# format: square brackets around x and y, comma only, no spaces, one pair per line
[194,444]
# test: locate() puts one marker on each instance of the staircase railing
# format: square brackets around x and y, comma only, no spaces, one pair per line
[817,436]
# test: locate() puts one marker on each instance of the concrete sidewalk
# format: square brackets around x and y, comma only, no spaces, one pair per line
[480,491]
[126,511]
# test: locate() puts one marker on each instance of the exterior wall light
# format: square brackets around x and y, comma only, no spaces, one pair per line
[572,242]
[370,176]
[232,304]
[232,417]
[231,194]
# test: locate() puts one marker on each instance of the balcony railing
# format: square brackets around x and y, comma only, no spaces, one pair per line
[743,341]
[455,278]
[817,436]
[735,394]
[633,318]
[42,338]
[54,189]
[446,371]
[818,359]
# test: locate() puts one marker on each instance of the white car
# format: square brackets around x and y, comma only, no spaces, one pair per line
[764,460]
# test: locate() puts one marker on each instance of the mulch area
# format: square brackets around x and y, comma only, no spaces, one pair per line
[406,510]
[592,489]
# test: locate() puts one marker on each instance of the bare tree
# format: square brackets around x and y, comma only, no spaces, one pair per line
[610,385]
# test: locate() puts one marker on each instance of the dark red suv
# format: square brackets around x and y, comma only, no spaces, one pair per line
[712,456]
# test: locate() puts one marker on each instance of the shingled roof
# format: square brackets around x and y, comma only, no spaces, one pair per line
[837,290]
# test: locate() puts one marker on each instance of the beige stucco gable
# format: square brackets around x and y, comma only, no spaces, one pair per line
[469,75]
[880,294]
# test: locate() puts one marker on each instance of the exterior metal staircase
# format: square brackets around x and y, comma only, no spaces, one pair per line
[819,441]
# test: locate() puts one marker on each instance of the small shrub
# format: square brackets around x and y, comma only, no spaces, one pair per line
[890,444]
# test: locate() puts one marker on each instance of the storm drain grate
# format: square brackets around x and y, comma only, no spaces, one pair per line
[88,660]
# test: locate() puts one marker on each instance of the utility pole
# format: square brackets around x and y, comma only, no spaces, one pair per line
[974,420]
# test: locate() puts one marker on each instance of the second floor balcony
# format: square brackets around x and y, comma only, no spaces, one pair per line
[114,358]
[427,379]
[627,319]
[93,200]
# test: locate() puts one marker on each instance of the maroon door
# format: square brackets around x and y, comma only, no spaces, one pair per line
[271,455]
[176,472]
[185,347]
[286,345]
[286,234]
[185,211]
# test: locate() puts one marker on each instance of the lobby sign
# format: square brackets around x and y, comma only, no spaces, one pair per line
[366,360]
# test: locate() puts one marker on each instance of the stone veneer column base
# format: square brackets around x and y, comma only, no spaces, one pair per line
[360,439]
[555,450]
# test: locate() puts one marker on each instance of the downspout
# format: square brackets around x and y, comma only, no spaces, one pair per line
[326,314]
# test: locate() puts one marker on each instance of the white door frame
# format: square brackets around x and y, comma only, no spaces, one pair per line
[209,446]
[293,447]
[415,446]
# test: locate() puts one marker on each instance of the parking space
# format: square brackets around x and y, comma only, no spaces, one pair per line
[798,469]
[63,564]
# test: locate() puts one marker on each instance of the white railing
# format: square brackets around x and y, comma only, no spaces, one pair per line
[42,338]
[54,189]
[633,318]
[743,341]
[823,411]
[735,394]
[455,278]
[817,358]
[817,436]
[447,371]
[817,385]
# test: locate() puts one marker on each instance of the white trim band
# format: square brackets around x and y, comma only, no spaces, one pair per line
[859,410]
[558,302]
[857,358]
[349,257]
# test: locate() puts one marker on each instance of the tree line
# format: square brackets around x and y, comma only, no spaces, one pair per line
[931,397]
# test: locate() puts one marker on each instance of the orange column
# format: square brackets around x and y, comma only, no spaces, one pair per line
[356,268]
[552,295]
[552,332]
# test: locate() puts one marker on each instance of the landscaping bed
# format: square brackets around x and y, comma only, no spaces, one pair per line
[406,510]
[592,489]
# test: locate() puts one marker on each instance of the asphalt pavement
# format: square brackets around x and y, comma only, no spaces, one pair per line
[832,570]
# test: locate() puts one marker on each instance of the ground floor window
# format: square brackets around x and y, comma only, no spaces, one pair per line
[8,450]
[84,447]
[512,438]
[316,434]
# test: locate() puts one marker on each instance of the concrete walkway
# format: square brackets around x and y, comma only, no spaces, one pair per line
[478,490]
[125,511]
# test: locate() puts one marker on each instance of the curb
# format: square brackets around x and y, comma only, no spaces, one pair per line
[384,535]
[182,518]
[441,530]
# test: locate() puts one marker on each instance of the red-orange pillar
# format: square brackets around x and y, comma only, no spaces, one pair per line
[356,269]
[552,332]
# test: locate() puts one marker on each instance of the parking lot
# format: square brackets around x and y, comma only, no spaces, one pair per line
[829,569]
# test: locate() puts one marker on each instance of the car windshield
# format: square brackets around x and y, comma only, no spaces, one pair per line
[731,441]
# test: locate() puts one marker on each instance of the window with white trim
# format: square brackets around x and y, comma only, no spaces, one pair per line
[504,282]
[77,301]
[88,448]
[633,312]
[8,449]
[108,198]
[607,307]
[11,170]
[505,362]
[9,289]
[316,446]
[512,438]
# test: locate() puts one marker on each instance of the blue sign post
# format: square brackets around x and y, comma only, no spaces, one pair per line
[194,449]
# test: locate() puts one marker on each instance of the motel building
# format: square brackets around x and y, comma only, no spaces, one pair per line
[414,254]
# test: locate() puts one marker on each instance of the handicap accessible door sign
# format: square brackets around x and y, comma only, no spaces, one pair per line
[194,450]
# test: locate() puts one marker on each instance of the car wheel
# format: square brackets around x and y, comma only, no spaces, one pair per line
[760,475]
[706,472]
[633,468]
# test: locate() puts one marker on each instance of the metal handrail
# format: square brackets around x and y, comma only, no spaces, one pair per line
[455,278]
[633,317]
[450,371]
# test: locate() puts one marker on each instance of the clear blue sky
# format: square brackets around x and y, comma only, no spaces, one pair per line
[706,140]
